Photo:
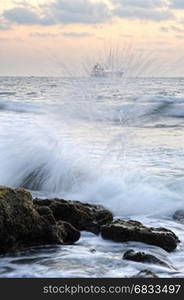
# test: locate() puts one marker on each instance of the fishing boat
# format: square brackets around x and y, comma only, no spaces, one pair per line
[100,71]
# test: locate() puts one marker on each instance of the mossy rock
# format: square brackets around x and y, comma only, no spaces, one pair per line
[21,225]
[82,216]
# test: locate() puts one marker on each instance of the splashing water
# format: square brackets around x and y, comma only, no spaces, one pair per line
[99,149]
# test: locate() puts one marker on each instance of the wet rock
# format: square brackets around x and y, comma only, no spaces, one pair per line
[70,234]
[82,216]
[146,274]
[46,212]
[179,216]
[143,257]
[21,225]
[124,231]
[92,250]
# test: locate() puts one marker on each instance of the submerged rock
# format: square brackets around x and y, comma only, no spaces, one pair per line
[124,231]
[146,274]
[21,225]
[92,250]
[82,216]
[179,215]
[145,258]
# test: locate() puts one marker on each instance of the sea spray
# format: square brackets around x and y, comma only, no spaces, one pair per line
[90,149]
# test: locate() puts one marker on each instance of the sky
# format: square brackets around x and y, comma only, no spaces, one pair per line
[42,37]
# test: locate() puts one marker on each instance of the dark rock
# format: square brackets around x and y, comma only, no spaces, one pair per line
[145,258]
[82,216]
[47,213]
[179,216]
[21,225]
[92,250]
[124,231]
[146,274]
[69,233]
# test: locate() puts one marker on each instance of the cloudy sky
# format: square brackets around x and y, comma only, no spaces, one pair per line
[39,37]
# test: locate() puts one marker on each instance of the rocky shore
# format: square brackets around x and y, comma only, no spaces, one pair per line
[124,231]
[144,257]
[26,222]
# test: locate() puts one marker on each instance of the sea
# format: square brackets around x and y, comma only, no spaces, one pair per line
[117,142]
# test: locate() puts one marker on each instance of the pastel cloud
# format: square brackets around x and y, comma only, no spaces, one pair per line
[154,10]
[142,3]
[77,34]
[88,12]
[80,11]
[60,12]
[4,24]
[177,4]
[25,16]
[172,28]
[55,35]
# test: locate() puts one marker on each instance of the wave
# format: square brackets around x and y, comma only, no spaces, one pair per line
[43,152]
[158,98]
[20,107]
[7,93]
[163,105]
[132,112]
[32,156]
[36,157]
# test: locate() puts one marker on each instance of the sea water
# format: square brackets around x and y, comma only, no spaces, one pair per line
[118,142]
